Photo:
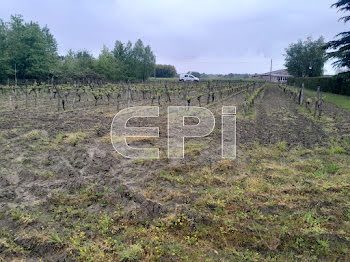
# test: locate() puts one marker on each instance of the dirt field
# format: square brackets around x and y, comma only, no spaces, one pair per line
[66,195]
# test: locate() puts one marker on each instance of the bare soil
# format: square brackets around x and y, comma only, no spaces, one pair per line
[46,157]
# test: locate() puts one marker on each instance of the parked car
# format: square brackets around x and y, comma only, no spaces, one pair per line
[188,77]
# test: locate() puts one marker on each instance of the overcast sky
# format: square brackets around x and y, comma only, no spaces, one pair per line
[220,36]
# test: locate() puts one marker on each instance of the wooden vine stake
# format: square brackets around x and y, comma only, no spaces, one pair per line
[245,106]
[51,89]
[58,98]
[75,92]
[129,94]
[301,94]
[118,96]
[167,93]
[318,103]
[208,97]
[10,98]
[26,93]
[35,93]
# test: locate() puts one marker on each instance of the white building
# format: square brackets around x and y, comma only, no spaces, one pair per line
[278,76]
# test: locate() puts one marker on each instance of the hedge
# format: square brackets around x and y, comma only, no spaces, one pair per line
[335,84]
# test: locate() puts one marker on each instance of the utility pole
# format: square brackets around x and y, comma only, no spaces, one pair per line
[271,71]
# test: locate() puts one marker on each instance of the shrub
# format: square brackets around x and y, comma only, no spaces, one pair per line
[337,84]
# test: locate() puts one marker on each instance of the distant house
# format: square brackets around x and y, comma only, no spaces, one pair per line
[278,76]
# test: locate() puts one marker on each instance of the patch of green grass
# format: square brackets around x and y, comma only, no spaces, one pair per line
[192,148]
[34,135]
[47,175]
[282,146]
[171,176]
[104,224]
[347,214]
[331,168]
[55,238]
[335,150]
[22,216]
[71,138]
[7,240]
[322,247]
[339,100]
[131,253]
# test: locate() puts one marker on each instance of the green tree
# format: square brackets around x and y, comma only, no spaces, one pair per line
[306,58]
[138,57]
[136,62]
[340,48]
[4,59]
[85,62]
[165,71]
[124,55]
[148,63]
[79,64]
[108,66]
[67,66]
[31,52]
[31,49]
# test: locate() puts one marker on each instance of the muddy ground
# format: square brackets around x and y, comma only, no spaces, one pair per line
[47,156]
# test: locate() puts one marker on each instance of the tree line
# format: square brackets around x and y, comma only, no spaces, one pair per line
[165,71]
[28,51]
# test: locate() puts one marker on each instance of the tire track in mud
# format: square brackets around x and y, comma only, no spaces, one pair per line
[95,163]
[277,119]
[99,163]
[133,177]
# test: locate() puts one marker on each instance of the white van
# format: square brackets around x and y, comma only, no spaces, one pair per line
[188,77]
